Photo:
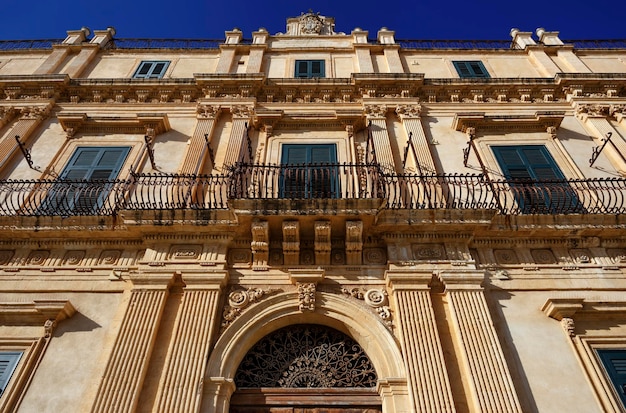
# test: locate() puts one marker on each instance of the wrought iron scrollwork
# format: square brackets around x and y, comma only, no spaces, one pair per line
[306,356]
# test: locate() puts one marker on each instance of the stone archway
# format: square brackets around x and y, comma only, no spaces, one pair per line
[282,310]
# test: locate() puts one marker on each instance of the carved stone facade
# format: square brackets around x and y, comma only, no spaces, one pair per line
[312,216]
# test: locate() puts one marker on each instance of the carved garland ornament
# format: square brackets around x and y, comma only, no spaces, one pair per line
[306,356]
[310,24]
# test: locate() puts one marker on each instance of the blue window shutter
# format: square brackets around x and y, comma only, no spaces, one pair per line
[470,69]
[151,69]
[8,362]
[94,165]
[614,362]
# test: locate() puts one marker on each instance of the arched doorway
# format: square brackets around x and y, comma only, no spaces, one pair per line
[282,310]
[306,368]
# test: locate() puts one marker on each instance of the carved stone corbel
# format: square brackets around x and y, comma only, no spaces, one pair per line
[552,131]
[291,242]
[260,245]
[354,242]
[563,310]
[322,242]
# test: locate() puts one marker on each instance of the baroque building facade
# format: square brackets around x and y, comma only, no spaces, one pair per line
[312,221]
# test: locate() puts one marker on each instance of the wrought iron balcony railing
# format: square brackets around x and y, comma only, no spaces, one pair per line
[319,181]
[329,181]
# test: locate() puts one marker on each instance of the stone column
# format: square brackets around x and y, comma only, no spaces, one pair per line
[421,346]
[377,119]
[180,389]
[197,149]
[362,50]
[125,371]
[62,51]
[391,50]
[257,49]
[228,51]
[410,116]
[595,117]
[30,118]
[238,135]
[481,354]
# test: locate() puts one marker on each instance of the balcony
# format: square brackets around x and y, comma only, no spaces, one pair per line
[309,189]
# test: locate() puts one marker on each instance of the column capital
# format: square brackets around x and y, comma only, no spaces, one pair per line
[409,111]
[405,279]
[207,280]
[587,110]
[376,111]
[462,280]
[204,111]
[147,281]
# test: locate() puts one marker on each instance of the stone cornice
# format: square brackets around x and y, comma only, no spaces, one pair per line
[36,312]
[539,122]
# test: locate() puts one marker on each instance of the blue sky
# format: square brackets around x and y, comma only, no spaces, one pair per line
[411,19]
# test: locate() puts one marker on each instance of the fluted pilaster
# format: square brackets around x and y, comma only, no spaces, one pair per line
[376,116]
[125,371]
[237,140]
[197,149]
[481,353]
[410,116]
[421,346]
[29,120]
[180,389]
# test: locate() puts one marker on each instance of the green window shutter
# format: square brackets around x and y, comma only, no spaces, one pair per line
[8,362]
[528,167]
[470,69]
[309,68]
[151,69]
[308,171]
[614,362]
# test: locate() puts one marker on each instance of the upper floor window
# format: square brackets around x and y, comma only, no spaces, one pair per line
[470,68]
[85,182]
[309,68]
[8,362]
[614,362]
[309,171]
[538,184]
[151,69]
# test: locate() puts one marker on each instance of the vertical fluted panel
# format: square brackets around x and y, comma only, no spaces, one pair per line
[488,375]
[197,149]
[23,128]
[180,390]
[124,374]
[382,145]
[424,356]
[424,157]
[236,141]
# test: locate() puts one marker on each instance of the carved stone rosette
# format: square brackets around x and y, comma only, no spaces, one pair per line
[376,298]
[238,300]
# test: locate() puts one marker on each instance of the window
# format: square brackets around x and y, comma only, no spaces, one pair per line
[8,362]
[614,362]
[538,184]
[309,171]
[85,182]
[309,68]
[470,69]
[149,69]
